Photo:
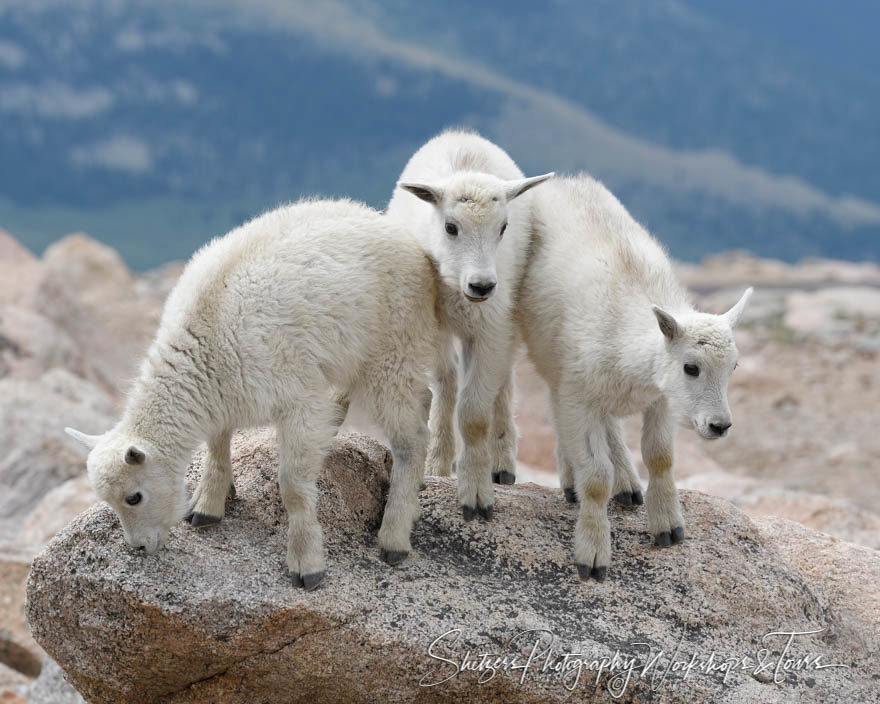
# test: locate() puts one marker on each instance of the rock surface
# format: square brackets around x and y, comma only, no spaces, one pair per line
[18,650]
[13,686]
[758,498]
[37,454]
[55,510]
[51,687]
[213,618]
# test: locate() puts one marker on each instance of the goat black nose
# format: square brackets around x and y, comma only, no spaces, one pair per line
[719,428]
[141,547]
[481,288]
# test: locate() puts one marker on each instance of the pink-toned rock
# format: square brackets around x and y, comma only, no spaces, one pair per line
[18,650]
[31,344]
[20,271]
[89,292]
[51,687]
[13,686]
[93,270]
[757,498]
[843,576]
[832,310]
[57,508]
[738,267]
[35,454]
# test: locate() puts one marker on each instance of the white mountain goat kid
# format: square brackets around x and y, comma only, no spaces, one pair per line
[262,325]
[610,329]
[471,215]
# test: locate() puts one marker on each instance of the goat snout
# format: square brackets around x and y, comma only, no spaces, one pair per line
[480,290]
[720,428]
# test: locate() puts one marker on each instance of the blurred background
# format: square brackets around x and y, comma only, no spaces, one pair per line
[154,126]
[743,134]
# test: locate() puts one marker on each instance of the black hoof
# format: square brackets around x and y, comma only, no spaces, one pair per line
[231,493]
[392,557]
[486,512]
[570,496]
[468,513]
[296,579]
[664,539]
[599,573]
[310,581]
[188,517]
[624,498]
[203,520]
[504,477]
[423,486]
[637,498]
[677,534]
[584,572]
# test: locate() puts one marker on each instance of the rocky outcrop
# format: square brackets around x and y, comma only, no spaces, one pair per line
[51,687]
[79,307]
[37,455]
[14,686]
[18,650]
[213,617]
[756,498]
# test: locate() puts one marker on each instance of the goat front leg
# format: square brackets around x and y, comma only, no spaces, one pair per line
[594,475]
[209,499]
[404,419]
[564,467]
[627,487]
[441,449]
[483,378]
[504,434]
[665,521]
[304,434]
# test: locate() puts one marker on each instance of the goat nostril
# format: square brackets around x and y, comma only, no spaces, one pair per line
[482,288]
[142,548]
[719,428]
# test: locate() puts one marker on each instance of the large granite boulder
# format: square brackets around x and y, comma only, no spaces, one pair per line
[214,618]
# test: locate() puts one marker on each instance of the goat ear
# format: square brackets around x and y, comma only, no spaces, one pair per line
[734,314]
[88,440]
[668,325]
[134,456]
[429,194]
[516,188]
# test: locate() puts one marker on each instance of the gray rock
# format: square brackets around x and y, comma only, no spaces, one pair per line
[13,685]
[36,454]
[51,687]
[57,508]
[18,650]
[20,270]
[214,617]
[87,290]
[31,344]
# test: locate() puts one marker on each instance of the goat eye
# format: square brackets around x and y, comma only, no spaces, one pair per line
[691,370]
[451,229]
[134,499]
[503,228]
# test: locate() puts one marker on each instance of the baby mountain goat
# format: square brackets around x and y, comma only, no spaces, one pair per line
[470,213]
[610,329]
[263,326]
